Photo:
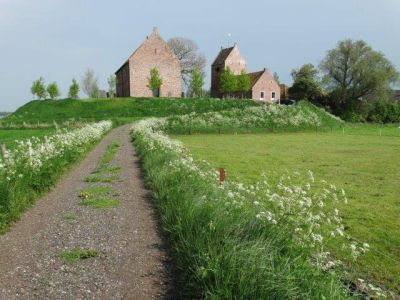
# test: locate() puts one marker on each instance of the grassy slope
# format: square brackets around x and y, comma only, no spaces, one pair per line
[9,136]
[367,167]
[100,109]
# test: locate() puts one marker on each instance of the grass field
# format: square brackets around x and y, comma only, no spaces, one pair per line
[367,167]
[9,136]
[120,109]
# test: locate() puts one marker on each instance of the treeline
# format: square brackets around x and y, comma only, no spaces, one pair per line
[353,81]
[89,85]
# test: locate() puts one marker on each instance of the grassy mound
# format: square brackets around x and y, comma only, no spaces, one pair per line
[122,109]
[304,116]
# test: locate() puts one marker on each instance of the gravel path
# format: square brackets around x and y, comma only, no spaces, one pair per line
[131,261]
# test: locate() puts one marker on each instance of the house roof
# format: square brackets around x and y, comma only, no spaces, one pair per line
[153,34]
[222,56]
[254,76]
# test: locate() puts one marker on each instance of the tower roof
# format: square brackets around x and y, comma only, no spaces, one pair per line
[222,56]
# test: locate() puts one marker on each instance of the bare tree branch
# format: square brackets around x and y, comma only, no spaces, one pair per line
[186,51]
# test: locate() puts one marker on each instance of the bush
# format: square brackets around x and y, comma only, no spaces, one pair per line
[384,112]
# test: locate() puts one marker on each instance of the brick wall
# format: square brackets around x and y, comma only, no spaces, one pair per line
[154,52]
[234,61]
[267,84]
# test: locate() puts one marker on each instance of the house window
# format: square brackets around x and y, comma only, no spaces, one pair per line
[262,95]
[155,51]
[273,96]
[217,69]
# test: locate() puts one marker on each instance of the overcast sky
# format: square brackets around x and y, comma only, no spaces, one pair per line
[59,39]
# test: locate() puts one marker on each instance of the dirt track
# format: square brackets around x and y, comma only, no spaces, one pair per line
[131,263]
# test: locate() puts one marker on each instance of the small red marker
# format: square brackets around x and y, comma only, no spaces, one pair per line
[221,175]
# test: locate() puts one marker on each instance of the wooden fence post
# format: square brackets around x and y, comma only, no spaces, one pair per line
[221,175]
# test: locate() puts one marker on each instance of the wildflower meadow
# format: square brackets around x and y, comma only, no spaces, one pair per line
[233,240]
[34,164]
[303,116]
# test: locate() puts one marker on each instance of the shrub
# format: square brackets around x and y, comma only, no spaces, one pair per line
[38,88]
[53,91]
[384,112]
[74,90]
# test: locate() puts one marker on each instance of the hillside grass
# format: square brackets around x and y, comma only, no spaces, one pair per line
[367,167]
[122,110]
[272,118]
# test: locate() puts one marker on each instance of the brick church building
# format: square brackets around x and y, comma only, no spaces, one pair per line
[263,86]
[132,76]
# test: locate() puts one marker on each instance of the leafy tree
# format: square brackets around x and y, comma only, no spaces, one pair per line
[228,82]
[112,85]
[90,84]
[384,111]
[155,81]
[95,92]
[243,83]
[74,90]
[38,88]
[187,53]
[53,91]
[354,70]
[306,84]
[196,83]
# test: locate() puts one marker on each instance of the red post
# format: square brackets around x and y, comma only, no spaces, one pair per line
[221,175]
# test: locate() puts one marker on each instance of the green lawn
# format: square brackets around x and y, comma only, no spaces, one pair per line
[119,109]
[367,167]
[9,136]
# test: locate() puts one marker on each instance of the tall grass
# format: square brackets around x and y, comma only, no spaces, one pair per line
[34,165]
[223,247]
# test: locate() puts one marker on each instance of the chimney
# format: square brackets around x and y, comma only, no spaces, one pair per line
[155,29]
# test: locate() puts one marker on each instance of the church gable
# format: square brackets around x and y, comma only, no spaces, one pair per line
[264,87]
[154,52]
[152,47]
